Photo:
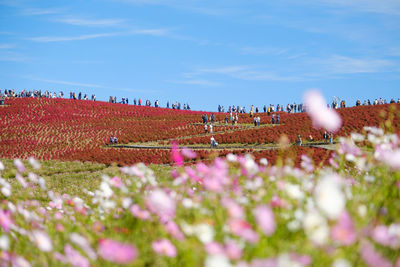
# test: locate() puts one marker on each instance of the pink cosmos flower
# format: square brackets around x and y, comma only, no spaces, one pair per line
[382,236]
[192,174]
[213,185]
[304,260]
[6,220]
[74,258]
[164,247]
[116,182]
[321,116]
[176,156]
[186,152]
[269,262]
[265,219]
[83,243]
[20,166]
[21,180]
[234,209]
[117,252]
[343,232]
[173,229]
[243,229]
[277,202]
[60,227]
[98,227]
[373,258]
[18,261]
[139,213]
[160,203]
[214,248]
[390,157]
[233,250]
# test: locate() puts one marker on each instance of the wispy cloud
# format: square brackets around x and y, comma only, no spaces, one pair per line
[6,46]
[263,50]
[39,11]
[249,73]
[11,56]
[389,7]
[90,22]
[213,8]
[47,39]
[89,85]
[64,82]
[199,82]
[338,64]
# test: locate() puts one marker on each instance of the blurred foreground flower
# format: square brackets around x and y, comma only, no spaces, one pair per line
[117,252]
[164,247]
[321,116]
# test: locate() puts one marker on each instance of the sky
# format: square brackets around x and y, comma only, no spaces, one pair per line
[203,52]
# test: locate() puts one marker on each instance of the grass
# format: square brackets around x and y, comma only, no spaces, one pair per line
[72,178]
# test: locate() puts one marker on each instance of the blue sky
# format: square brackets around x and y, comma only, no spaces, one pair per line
[203,52]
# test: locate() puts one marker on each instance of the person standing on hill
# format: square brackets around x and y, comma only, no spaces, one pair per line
[325,136]
[300,142]
[278,119]
[205,128]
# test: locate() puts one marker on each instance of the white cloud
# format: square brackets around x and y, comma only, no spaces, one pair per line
[64,82]
[337,64]
[390,7]
[250,73]
[46,39]
[89,85]
[199,82]
[6,46]
[263,50]
[11,56]
[39,11]
[90,22]
[213,8]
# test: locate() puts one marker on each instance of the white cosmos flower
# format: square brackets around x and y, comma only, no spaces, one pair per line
[217,260]
[294,191]
[329,197]
[106,189]
[42,240]
[341,263]
[204,232]
[34,163]
[4,243]
[316,227]
[356,137]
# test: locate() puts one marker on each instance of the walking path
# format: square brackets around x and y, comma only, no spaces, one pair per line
[239,128]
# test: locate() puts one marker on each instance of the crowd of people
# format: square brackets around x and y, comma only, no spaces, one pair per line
[379,101]
[294,108]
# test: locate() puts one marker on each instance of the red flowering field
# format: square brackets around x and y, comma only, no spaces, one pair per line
[69,130]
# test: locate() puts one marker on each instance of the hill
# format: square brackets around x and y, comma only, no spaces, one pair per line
[68,130]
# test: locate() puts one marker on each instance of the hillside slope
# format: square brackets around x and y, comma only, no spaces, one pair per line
[70,130]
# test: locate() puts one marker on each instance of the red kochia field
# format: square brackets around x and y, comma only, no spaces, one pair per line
[65,129]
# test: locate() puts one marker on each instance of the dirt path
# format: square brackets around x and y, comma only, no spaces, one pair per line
[224,147]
